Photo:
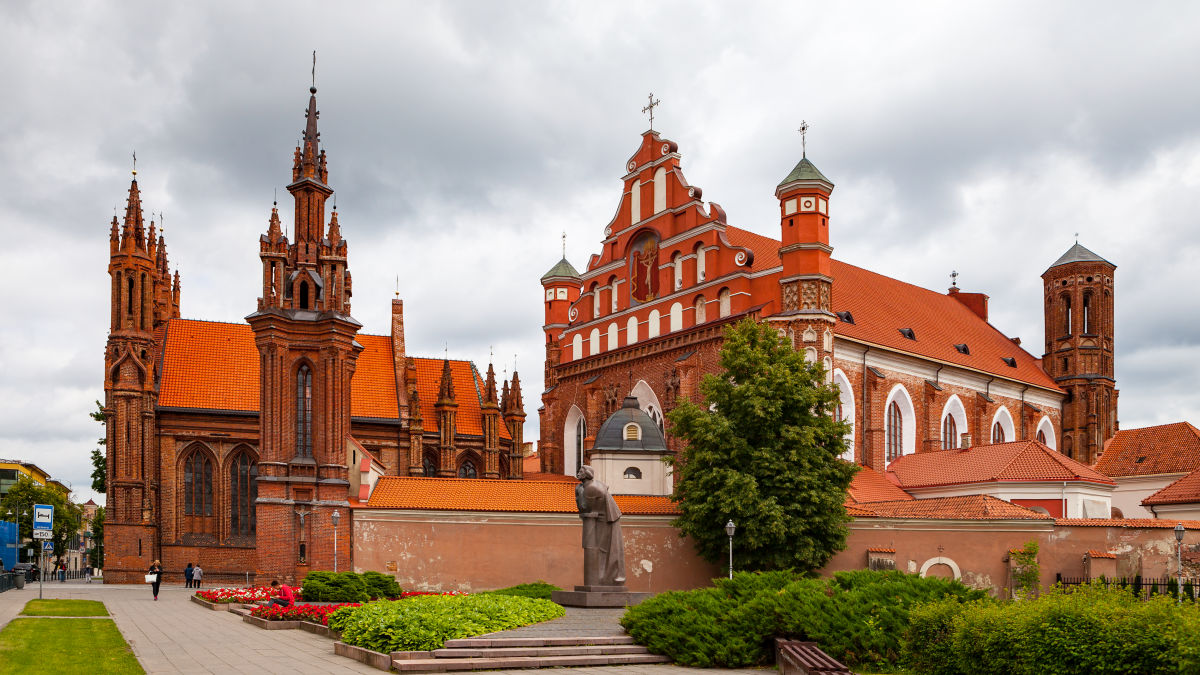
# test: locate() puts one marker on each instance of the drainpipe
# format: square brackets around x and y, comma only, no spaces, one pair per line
[1023,412]
[937,376]
[1064,500]
[863,430]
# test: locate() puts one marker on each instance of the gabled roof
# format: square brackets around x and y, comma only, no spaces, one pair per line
[1166,448]
[1078,253]
[472,494]
[805,170]
[1019,461]
[968,507]
[868,485]
[1186,490]
[881,306]
[561,269]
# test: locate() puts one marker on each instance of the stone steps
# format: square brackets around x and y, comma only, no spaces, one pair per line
[534,652]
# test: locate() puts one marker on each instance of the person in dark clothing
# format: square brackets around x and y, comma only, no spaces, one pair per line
[287,597]
[187,576]
[156,570]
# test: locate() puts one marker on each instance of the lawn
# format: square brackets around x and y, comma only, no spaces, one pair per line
[65,608]
[65,646]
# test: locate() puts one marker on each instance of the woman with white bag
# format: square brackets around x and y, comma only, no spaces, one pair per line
[154,576]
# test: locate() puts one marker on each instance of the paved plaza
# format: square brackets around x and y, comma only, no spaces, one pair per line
[175,635]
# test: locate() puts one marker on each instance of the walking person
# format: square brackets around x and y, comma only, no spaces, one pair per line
[187,576]
[87,573]
[197,575]
[154,576]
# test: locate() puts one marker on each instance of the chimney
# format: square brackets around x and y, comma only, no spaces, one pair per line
[966,441]
[976,302]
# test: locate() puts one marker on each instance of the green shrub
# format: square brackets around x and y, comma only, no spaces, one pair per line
[426,622]
[537,589]
[929,643]
[381,585]
[855,617]
[349,587]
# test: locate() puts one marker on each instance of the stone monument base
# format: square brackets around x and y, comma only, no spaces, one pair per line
[598,596]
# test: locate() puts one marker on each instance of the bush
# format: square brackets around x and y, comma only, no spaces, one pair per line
[426,622]
[537,589]
[1089,629]
[381,585]
[349,587]
[311,613]
[855,617]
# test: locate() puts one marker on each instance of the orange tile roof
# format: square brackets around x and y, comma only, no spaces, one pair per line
[1186,490]
[468,394]
[1101,554]
[1019,461]
[541,475]
[1166,448]
[474,494]
[968,507]
[373,387]
[868,485]
[881,306]
[880,549]
[531,464]
[1136,523]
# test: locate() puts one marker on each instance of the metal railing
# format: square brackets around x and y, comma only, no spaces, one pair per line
[1142,587]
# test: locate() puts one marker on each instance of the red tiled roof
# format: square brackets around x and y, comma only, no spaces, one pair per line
[531,464]
[468,394]
[1019,461]
[1166,448]
[1186,490]
[880,549]
[881,306]
[540,475]
[473,494]
[373,386]
[1142,523]
[868,485]
[1101,554]
[968,507]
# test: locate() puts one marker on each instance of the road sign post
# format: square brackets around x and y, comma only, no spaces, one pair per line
[43,528]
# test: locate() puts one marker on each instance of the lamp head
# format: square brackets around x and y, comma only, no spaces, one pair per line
[1179,530]
[730,528]
[336,516]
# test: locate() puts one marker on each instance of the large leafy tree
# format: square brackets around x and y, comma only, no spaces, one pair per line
[99,466]
[763,452]
[67,516]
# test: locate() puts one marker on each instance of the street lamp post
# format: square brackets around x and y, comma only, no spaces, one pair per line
[730,528]
[1179,530]
[335,516]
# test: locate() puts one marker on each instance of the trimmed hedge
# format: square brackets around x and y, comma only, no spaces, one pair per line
[1088,629]
[349,587]
[537,589]
[856,617]
[425,622]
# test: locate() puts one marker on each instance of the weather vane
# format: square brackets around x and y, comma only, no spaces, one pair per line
[954,278]
[650,109]
[803,138]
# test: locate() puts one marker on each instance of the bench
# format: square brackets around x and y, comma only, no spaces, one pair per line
[805,658]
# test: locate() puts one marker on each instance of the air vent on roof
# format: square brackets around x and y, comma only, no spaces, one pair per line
[908,333]
[1010,361]
[962,348]
[846,317]
[1139,460]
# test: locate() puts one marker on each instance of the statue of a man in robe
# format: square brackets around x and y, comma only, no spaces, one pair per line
[603,551]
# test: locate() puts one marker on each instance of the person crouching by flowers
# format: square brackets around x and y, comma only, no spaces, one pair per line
[286,598]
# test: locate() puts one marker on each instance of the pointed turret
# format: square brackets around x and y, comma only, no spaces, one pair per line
[310,154]
[309,187]
[446,388]
[335,231]
[114,236]
[274,231]
[132,226]
[446,408]
[489,387]
[517,405]
[514,419]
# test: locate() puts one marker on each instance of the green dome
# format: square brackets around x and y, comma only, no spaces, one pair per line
[805,170]
[561,269]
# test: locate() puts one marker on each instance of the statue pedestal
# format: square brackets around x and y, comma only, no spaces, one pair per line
[598,596]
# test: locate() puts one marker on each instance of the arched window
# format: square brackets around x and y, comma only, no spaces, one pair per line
[1046,435]
[613,336]
[304,412]
[467,469]
[660,189]
[1087,313]
[635,201]
[997,433]
[631,331]
[428,466]
[700,311]
[1003,429]
[845,410]
[197,485]
[677,269]
[949,433]
[243,491]
[633,473]
[633,432]
[129,294]
[594,340]
[723,300]
[676,317]
[303,295]
[595,291]
[654,324]
[577,346]
[580,435]
[1041,437]
[895,432]
[699,263]
[612,294]
[145,303]
[1066,299]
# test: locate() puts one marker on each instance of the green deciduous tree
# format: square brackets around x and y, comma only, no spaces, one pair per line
[96,555]
[21,498]
[99,465]
[765,454]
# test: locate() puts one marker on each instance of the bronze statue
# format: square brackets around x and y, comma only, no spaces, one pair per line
[603,551]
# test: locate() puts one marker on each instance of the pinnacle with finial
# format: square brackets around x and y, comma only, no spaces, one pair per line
[803,138]
[954,278]
[650,109]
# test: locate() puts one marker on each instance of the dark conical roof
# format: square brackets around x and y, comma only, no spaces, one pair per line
[805,170]
[1078,253]
[561,269]
[612,433]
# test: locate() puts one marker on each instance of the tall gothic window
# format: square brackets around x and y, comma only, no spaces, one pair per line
[428,467]
[997,433]
[949,433]
[304,441]
[1087,313]
[895,432]
[1041,437]
[1066,315]
[467,469]
[243,490]
[197,485]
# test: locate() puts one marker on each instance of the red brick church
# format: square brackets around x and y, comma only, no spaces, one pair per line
[218,433]
[918,370]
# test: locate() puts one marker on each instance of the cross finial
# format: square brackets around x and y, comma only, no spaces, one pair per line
[1076,234]
[162,224]
[564,238]
[446,349]
[397,285]
[135,163]
[491,354]
[275,199]
[314,72]
[954,278]
[650,109]
[803,138]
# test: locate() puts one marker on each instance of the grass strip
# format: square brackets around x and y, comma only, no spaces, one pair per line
[64,608]
[92,646]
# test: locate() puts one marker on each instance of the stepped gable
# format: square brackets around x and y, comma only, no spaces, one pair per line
[475,494]
[967,507]
[868,485]
[1166,448]
[1018,461]
[882,305]
[1186,490]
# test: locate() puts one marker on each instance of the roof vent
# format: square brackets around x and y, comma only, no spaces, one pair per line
[962,348]
[846,317]
[1139,460]
[908,333]
[1010,361]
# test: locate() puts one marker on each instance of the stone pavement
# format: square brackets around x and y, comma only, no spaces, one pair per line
[175,635]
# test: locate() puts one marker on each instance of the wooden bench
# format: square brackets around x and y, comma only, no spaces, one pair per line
[805,658]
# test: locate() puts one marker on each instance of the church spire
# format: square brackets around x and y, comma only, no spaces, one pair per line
[446,390]
[489,387]
[133,233]
[310,185]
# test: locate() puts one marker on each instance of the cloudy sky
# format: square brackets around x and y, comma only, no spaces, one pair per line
[463,138]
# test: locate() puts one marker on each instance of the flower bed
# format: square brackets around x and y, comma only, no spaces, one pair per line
[311,613]
[245,595]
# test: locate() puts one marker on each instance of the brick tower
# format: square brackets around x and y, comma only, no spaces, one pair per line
[561,285]
[1079,349]
[144,297]
[307,352]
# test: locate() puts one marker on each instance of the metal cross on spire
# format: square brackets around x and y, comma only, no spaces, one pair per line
[491,354]
[135,162]
[564,238]
[803,138]
[314,72]
[954,278]
[650,109]
[397,285]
